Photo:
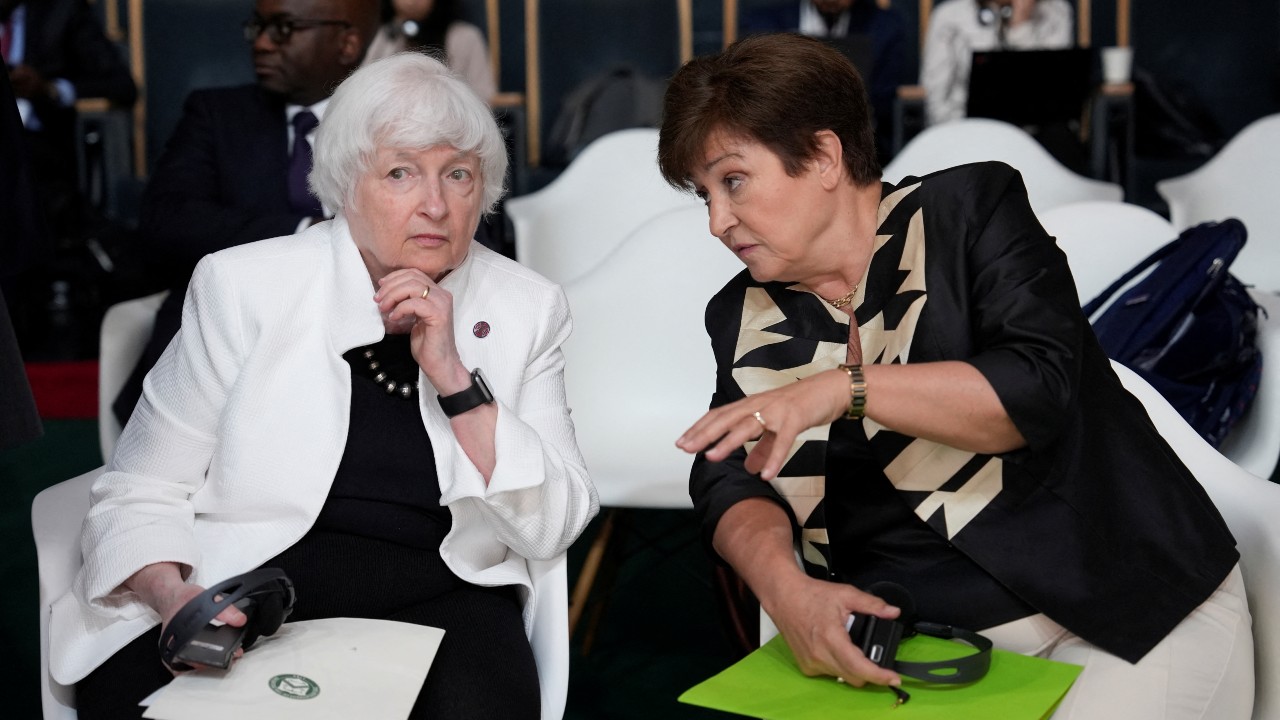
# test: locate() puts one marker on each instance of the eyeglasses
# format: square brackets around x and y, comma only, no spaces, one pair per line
[282,27]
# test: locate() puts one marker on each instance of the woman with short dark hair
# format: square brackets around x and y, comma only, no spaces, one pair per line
[908,390]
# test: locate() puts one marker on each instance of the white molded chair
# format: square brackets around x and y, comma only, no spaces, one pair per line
[639,369]
[1102,240]
[1240,182]
[56,516]
[1249,504]
[1049,182]
[126,327]
[1254,443]
[607,191]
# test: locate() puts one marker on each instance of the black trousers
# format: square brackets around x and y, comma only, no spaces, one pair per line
[484,668]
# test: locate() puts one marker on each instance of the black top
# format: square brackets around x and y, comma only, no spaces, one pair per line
[386,485]
[875,536]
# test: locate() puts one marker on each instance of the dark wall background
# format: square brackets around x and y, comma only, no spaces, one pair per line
[1227,53]
[1223,54]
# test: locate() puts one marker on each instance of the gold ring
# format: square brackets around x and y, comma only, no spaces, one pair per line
[760,419]
[426,292]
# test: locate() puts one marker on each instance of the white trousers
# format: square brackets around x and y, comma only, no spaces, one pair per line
[1203,670]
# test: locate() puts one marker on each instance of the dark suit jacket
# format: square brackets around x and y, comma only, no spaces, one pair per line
[1095,523]
[65,40]
[22,240]
[221,181]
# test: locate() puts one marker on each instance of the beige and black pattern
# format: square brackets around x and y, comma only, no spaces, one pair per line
[787,333]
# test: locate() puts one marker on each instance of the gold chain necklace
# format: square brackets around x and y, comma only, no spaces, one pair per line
[844,299]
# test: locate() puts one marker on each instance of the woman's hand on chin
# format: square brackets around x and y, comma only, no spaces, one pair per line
[411,302]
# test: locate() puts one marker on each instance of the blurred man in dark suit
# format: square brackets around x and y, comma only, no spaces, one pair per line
[235,169]
[21,241]
[55,53]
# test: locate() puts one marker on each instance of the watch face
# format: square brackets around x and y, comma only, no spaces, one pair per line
[482,385]
[473,397]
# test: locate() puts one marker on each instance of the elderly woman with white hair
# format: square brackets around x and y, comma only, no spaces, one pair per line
[375,406]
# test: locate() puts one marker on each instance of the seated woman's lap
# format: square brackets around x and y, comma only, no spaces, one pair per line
[1202,669]
[484,668]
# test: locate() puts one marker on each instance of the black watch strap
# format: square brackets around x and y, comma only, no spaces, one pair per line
[473,397]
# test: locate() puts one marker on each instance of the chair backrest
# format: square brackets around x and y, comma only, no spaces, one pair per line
[639,369]
[1254,443]
[126,327]
[1104,239]
[56,516]
[1250,506]
[605,193]
[1049,182]
[1237,182]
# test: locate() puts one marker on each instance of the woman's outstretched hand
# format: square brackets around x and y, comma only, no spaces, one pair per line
[775,417]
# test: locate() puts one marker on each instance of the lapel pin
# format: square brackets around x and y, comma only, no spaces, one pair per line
[480,329]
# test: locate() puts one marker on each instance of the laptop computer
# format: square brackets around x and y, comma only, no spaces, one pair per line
[1030,87]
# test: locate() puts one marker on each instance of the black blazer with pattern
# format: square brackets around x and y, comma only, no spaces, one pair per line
[1095,523]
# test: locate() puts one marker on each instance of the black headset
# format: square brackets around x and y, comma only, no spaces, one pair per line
[878,639]
[265,595]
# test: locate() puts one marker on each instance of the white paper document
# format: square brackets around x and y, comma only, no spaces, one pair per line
[338,668]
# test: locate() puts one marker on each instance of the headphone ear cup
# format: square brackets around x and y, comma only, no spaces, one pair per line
[266,616]
[898,596]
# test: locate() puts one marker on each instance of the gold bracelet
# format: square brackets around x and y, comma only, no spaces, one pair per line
[857,392]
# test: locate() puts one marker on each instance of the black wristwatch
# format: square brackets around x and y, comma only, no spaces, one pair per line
[473,397]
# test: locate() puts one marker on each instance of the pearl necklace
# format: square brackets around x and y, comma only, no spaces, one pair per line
[406,390]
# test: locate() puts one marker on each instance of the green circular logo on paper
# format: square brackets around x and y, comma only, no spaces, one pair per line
[295,687]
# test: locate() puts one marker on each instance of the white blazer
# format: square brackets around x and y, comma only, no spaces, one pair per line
[230,454]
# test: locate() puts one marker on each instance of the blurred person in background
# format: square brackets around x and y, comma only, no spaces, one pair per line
[958,28]
[234,170]
[436,27]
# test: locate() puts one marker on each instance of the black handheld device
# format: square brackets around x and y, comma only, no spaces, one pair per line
[879,639]
[264,595]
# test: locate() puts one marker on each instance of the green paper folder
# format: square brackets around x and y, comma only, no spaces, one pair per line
[768,684]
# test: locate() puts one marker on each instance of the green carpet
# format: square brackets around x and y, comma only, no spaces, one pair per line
[658,634]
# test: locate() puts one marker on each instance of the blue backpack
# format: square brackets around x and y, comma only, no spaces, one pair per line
[1189,327]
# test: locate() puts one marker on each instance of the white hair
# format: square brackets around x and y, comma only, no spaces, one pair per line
[408,100]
